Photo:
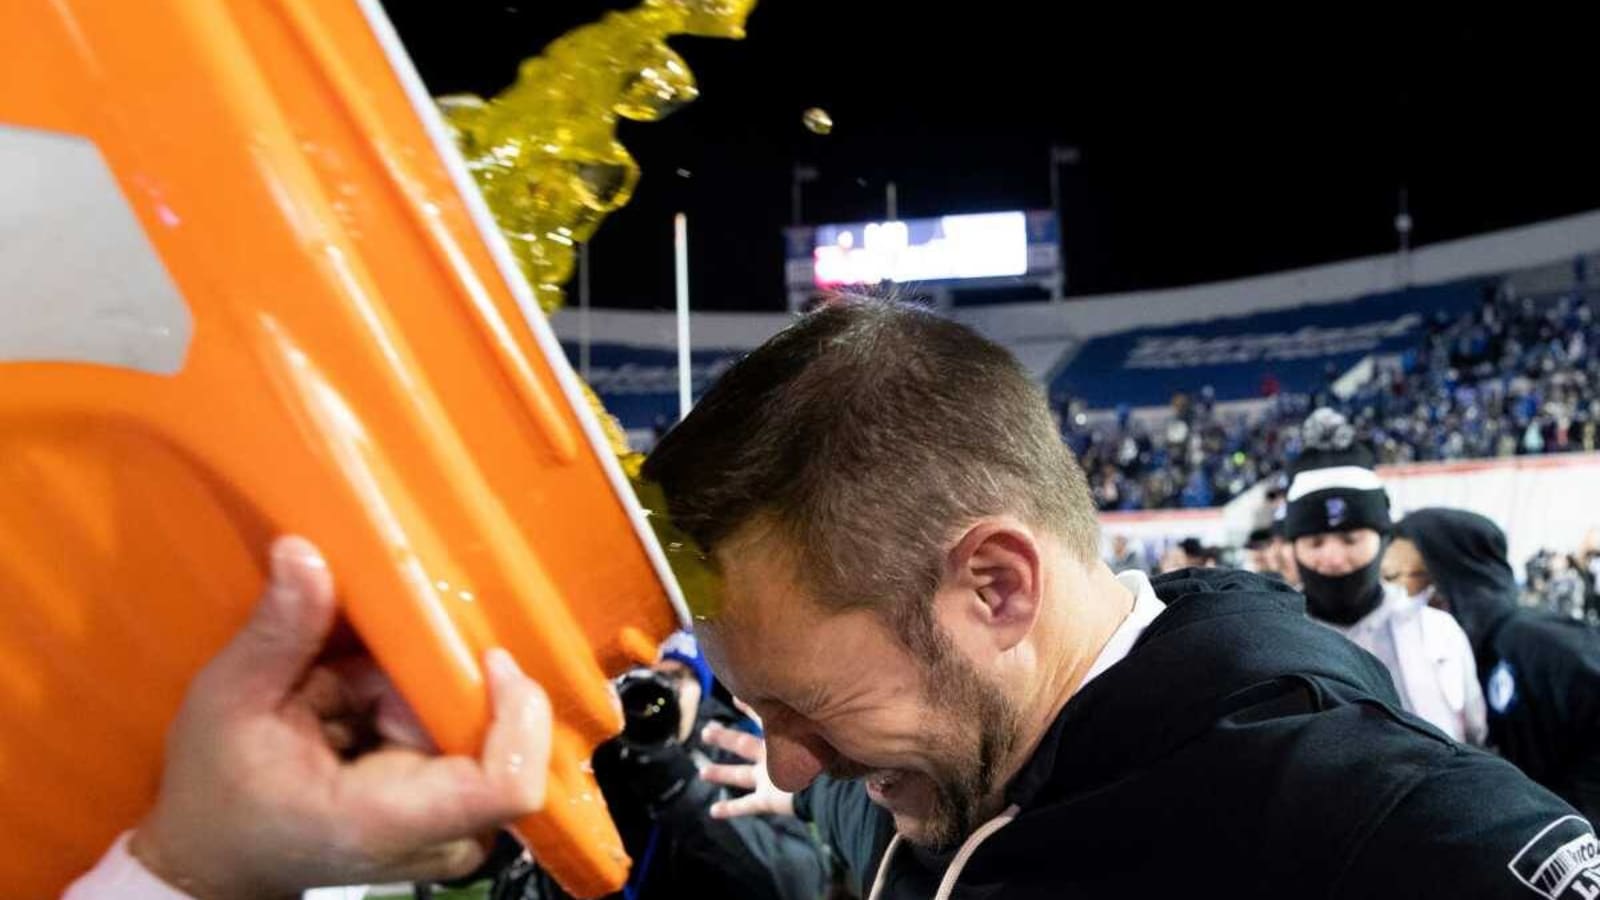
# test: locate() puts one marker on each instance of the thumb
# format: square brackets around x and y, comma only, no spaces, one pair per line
[287,630]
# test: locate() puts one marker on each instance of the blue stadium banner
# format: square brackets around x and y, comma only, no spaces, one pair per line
[639,385]
[1294,349]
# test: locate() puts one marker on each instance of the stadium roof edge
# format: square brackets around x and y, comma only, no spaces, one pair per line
[1491,253]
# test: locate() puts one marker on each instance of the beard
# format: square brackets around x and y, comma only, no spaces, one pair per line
[975,725]
[965,791]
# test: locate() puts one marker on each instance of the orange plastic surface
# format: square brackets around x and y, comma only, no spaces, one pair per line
[360,373]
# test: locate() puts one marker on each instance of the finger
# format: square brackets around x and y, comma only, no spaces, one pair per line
[742,777]
[734,741]
[398,799]
[749,805]
[264,662]
[402,797]
[516,753]
[438,862]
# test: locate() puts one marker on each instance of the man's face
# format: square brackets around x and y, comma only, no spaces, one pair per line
[1335,553]
[840,693]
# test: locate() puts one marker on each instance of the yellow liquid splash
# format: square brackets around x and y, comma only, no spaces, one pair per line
[546,156]
[545,151]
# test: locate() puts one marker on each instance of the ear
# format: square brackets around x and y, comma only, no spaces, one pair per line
[993,580]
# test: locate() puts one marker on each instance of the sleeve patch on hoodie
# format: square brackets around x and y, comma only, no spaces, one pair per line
[1562,862]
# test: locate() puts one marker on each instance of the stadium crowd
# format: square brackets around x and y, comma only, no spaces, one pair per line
[1565,582]
[1513,377]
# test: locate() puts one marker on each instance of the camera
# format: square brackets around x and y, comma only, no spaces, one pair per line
[650,711]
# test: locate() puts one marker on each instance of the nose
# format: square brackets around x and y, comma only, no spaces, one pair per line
[1335,561]
[1331,560]
[795,760]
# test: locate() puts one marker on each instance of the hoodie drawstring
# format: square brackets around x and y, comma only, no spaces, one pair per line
[883,868]
[952,873]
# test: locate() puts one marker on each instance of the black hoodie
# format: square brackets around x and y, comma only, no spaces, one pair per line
[1242,750]
[1540,672]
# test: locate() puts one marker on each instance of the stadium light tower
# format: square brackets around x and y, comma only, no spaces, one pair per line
[1402,233]
[1402,224]
[1060,156]
[803,175]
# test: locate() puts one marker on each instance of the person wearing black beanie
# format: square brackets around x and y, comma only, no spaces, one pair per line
[1338,520]
[1540,672]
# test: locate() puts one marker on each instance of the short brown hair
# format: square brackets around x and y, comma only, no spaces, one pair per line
[869,433]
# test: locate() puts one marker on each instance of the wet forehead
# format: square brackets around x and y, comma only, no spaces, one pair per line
[772,639]
[765,620]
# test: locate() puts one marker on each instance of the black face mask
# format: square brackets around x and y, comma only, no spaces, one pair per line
[1343,599]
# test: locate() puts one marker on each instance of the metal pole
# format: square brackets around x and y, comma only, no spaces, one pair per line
[801,175]
[794,197]
[680,246]
[1059,156]
[1402,229]
[1056,286]
[1055,182]
[583,310]
[891,201]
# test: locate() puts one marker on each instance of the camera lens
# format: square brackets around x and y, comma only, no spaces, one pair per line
[649,707]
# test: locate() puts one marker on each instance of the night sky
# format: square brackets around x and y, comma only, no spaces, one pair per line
[1210,147]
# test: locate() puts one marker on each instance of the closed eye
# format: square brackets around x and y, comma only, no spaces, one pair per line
[811,701]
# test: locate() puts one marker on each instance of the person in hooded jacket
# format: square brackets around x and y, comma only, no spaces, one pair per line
[1540,671]
[1338,522]
[896,563]
[1225,746]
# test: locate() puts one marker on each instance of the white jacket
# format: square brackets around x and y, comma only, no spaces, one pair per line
[1430,660]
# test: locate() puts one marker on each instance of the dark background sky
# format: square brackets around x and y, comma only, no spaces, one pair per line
[1211,146]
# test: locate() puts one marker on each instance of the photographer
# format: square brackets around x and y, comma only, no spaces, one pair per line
[650,778]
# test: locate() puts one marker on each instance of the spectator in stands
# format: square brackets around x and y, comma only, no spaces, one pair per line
[1124,556]
[1338,518]
[1199,555]
[1540,672]
[1258,552]
[1588,559]
[1565,594]
[1174,560]
[1189,553]
[1197,492]
[1511,377]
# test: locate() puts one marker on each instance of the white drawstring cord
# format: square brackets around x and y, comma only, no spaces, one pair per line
[947,884]
[883,867]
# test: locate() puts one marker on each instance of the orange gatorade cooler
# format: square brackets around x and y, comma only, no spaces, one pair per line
[247,287]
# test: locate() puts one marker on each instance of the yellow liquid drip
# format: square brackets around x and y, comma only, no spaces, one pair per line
[545,151]
[546,156]
[702,586]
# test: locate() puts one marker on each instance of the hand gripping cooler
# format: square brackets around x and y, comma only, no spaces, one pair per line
[309,325]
